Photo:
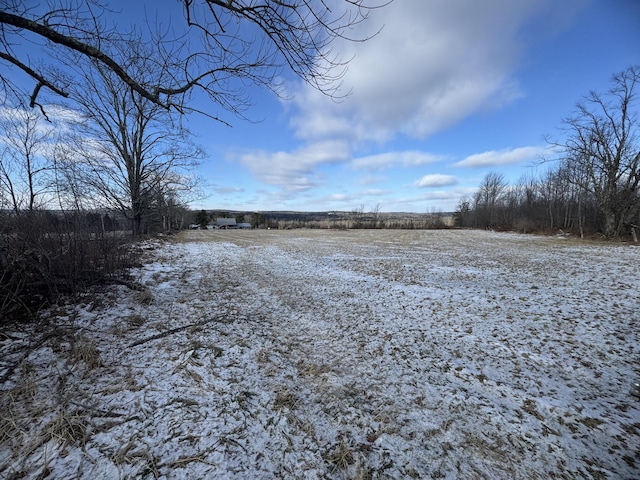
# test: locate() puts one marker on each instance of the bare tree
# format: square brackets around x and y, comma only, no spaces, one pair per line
[603,149]
[135,155]
[357,215]
[487,197]
[204,46]
[72,191]
[375,215]
[462,213]
[23,166]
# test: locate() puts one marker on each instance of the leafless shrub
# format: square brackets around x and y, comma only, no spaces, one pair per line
[46,255]
[524,225]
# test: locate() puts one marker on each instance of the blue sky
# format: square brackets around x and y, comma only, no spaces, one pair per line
[447,92]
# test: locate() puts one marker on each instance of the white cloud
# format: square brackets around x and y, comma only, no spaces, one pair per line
[436,180]
[394,159]
[375,192]
[14,123]
[494,158]
[433,64]
[371,179]
[337,197]
[295,170]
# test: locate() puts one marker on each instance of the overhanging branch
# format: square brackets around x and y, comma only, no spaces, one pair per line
[77,45]
[42,82]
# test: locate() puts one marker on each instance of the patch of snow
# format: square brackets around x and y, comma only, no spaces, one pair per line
[316,354]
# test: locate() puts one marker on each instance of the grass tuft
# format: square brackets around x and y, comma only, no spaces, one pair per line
[68,428]
[144,297]
[135,321]
[26,388]
[85,350]
[8,427]
[285,398]
[341,456]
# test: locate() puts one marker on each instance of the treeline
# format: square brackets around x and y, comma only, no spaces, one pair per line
[70,204]
[374,220]
[337,220]
[549,203]
[593,188]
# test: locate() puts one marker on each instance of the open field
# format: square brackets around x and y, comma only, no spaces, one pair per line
[337,354]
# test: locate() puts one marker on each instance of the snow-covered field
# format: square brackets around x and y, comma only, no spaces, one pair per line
[337,354]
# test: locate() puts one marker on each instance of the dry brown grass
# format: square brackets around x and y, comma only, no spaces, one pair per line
[144,297]
[289,357]
[285,398]
[341,456]
[312,370]
[68,428]
[9,428]
[135,320]
[86,351]
[26,388]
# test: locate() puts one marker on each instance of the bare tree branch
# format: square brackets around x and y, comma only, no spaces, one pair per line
[42,82]
[79,46]
[219,42]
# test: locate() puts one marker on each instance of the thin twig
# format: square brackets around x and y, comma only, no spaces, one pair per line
[174,330]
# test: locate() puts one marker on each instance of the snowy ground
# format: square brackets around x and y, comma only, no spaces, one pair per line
[337,354]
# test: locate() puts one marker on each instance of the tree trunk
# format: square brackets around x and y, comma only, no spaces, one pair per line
[611,229]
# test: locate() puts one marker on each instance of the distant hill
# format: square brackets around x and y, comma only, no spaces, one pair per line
[338,219]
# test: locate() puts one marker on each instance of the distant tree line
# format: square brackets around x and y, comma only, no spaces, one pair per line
[593,186]
[534,204]
[356,219]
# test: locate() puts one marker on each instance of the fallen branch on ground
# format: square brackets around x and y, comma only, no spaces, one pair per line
[174,330]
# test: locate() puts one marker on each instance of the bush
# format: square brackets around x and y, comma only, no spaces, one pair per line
[44,256]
